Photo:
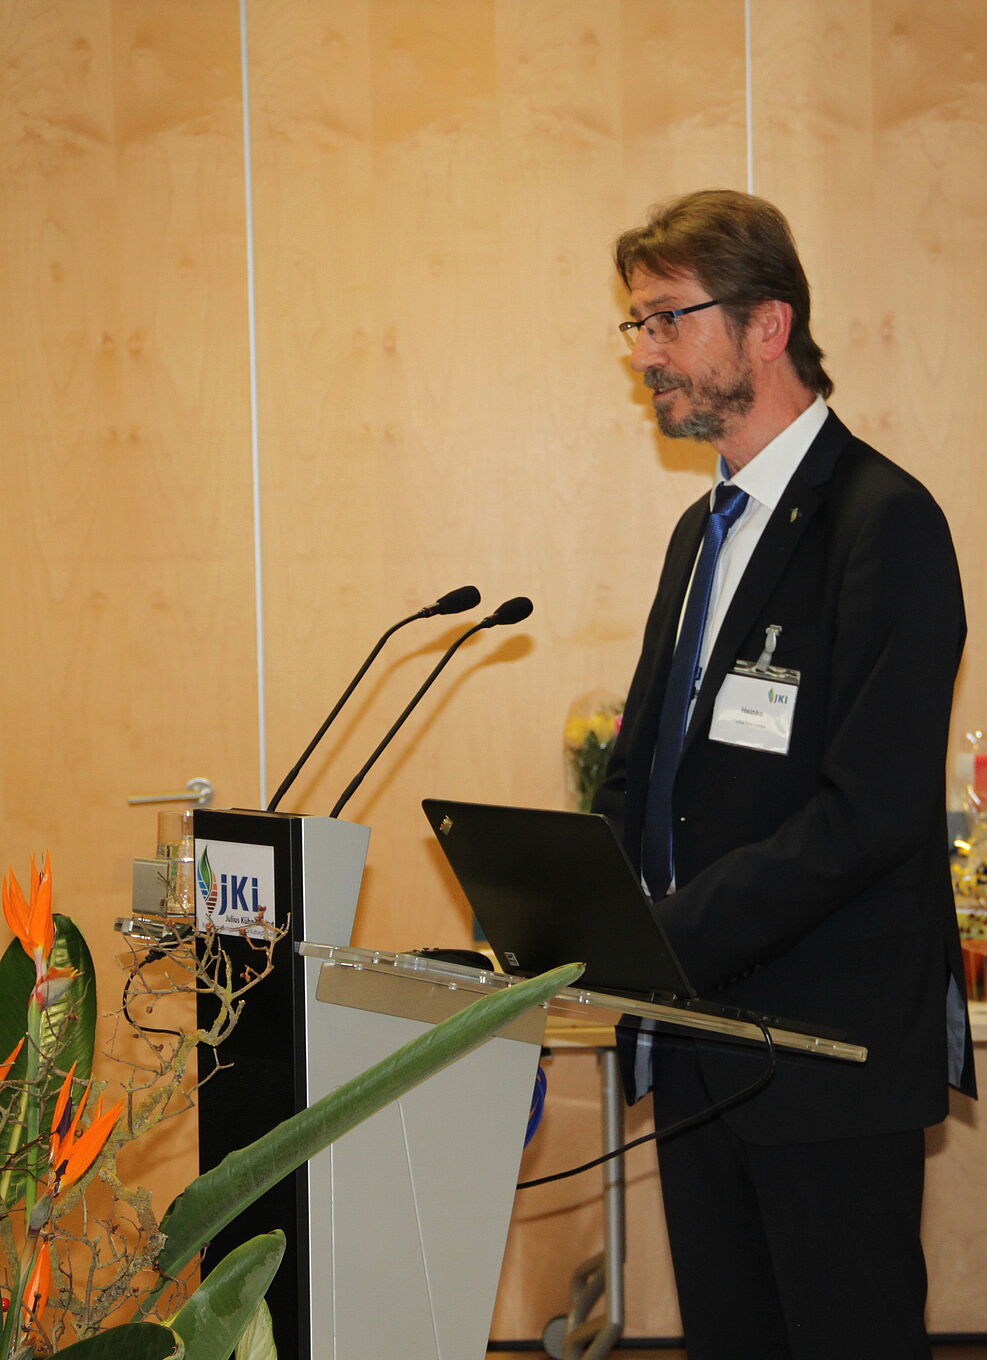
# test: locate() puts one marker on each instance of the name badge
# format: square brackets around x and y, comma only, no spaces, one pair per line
[756,704]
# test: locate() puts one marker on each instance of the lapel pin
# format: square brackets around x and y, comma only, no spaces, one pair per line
[795,514]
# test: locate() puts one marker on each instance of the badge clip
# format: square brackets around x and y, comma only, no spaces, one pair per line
[762,667]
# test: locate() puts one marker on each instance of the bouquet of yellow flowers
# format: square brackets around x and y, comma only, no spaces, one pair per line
[591,728]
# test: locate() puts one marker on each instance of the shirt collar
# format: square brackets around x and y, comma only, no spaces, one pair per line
[765,477]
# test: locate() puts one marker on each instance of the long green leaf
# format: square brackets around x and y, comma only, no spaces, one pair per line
[132,1341]
[215,1198]
[213,1320]
[68,1030]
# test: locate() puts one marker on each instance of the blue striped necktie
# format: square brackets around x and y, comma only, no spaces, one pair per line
[657,862]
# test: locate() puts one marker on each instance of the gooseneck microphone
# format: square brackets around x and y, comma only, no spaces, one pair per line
[455,602]
[511,611]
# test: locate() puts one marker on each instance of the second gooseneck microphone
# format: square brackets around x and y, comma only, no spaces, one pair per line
[455,602]
[511,611]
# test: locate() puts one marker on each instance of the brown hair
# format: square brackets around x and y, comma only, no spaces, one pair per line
[742,251]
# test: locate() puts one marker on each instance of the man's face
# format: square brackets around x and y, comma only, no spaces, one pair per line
[702,382]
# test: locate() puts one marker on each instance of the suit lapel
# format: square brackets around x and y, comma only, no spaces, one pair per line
[794,512]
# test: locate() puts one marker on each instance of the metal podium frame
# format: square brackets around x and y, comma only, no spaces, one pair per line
[580,1333]
[409,1212]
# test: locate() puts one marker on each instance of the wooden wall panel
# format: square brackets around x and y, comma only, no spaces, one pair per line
[124,438]
[125,426]
[953,1227]
[931,114]
[443,395]
[870,131]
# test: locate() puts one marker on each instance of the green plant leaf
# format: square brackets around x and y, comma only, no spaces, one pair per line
[257,1342]
[67,1043]
[213,1320]
[68,1028]
[132,1341]
[215,1198]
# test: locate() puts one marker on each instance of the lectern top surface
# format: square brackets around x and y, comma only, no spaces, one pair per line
[575,1003]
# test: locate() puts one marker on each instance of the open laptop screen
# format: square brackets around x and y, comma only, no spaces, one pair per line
[551,887]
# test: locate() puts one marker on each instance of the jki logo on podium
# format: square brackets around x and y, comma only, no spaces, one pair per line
[234,888]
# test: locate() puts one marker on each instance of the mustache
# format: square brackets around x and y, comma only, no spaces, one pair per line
[659,381]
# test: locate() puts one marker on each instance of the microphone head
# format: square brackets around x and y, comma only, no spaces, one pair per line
[511,611]
[454,602]
[466,597]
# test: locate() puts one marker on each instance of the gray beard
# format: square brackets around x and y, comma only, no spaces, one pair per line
[707,421]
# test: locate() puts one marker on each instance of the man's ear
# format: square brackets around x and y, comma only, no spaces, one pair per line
[771,324]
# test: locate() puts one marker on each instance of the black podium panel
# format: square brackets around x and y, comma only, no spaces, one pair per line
[307,885]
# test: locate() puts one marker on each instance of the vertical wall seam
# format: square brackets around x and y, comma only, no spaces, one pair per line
[254,431]
[749,95]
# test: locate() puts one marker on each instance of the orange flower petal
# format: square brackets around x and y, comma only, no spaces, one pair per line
[15,908]
[63,1099]
[8,1064]
[90,1144]
[61,1142]
[38,1286]
[33,924]
[42,924]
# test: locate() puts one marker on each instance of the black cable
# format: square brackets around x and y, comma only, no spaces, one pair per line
[690,1121]
[151,956]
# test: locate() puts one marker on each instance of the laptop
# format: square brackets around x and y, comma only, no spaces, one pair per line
[550,887]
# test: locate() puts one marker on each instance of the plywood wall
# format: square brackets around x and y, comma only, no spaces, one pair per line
[443,396]
[129,648]
[399,331]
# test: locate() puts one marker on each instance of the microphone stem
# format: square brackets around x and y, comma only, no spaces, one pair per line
[293,773]
[357,780]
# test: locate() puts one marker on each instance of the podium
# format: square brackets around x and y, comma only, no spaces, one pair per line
[409,1211]
[301,875]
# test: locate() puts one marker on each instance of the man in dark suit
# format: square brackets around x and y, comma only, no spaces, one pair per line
[799,864]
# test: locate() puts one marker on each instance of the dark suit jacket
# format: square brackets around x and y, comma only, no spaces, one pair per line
[815,885]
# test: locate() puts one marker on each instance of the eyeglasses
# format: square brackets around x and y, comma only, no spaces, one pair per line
[660,326]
